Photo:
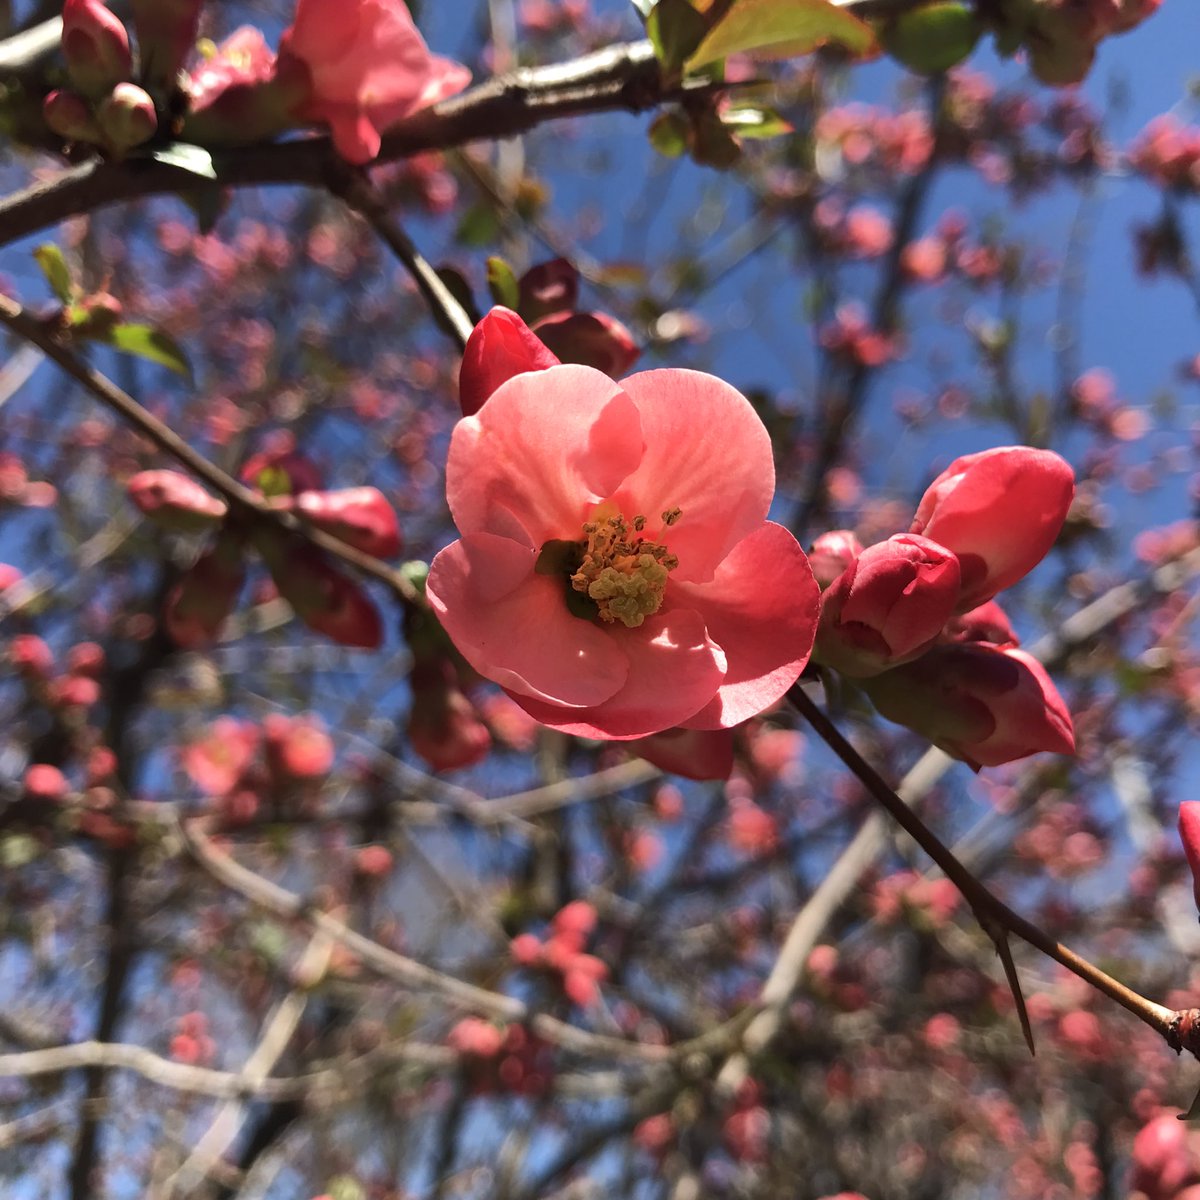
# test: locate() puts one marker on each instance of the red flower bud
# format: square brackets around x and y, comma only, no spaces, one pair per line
[692,753]
[1189,834]
[297,747]
[199,603]
[44,782]
[95,46]
[70,116]
[888,607]
[832,553]
[592,339]
[979,703]
[126,118]
[361,517]
[443,726]
[175,501]
[31,657]
[548,289]
[322,597]
[987,623]
[999,511]
[499,347]
[166,31]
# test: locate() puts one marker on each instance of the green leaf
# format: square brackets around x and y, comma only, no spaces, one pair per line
[502,282]
[675,28]
[753,121]
[193,159]
[782,29]
[54,266]
[933,39]
[150,343]
[478,226]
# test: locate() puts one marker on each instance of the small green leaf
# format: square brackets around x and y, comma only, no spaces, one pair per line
[193,159]
[54,266]
[502,282]
[153,344]
[782,29]
[753,121]
[932,39]
[478,226]
[669,134]
[675,28]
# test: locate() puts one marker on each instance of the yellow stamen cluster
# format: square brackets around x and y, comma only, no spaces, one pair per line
[624,574]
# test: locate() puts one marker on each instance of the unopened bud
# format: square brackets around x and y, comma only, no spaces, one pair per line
[361,517]
[95,45]
[70,116]
[174,501]
[127,118]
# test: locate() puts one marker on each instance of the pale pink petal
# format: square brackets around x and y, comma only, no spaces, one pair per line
[708,454]
[674,667]
[520,466]
[761,608]
[512,625]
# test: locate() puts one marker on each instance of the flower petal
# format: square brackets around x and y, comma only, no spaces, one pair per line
[513,627]
[674,668]
[526,464]
[708,454]
[761,608]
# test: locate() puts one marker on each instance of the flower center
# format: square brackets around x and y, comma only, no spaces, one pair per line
[621,572]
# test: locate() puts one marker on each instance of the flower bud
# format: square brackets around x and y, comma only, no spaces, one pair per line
[322,597]
[979,703]
[297,747]
[199,603]
[166,31]
[999,511]
[548,289]
[1189,834]
[46,782]
[361,517]
[95,45]
[70,116]
[175,502]
[591,339]
[443,727]
[832,553]
[126,118]
[888,607]
[499,347]
[987,623]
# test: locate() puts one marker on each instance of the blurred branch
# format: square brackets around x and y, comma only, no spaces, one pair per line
[48,340]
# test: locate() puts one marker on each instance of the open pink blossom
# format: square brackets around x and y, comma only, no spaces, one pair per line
[369,68]
[616,571]
[999,511]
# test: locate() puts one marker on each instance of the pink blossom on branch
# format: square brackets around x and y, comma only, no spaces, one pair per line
[499,347]
[1189,835]
[999,511]
[616,572]
[368,67]
[95,46]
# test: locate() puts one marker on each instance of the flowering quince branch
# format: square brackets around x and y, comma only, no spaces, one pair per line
[169,442]
[355,189]
[1180,1029]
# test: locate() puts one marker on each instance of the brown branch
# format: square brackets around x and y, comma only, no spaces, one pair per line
[994,915]
[239,497]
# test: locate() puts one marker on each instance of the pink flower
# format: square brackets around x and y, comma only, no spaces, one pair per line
[499,347]
[832,553]
[987,623]
[243,59]
[983,704]
[888,607]
[999,511]
[368,67]
[616,573]
[217,762]
[1189,835]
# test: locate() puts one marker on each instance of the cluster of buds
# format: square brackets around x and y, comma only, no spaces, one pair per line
[238,762]
[1167,152]
[545,330]
[324,598]
[111,100]
[502,1058]
[562,953]
[913,617]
